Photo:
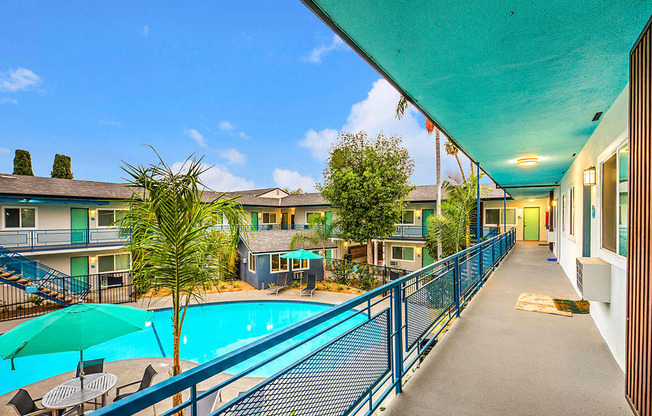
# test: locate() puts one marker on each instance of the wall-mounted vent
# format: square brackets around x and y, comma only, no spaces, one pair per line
[597,116]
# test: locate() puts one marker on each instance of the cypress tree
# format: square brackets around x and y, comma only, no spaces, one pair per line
[61,167]
[23,163]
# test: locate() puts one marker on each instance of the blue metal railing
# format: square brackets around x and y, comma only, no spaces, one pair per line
[44,277]
[359,367]
[410,232]
[30,240]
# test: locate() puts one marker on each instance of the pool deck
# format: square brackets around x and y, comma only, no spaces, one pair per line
[132,370]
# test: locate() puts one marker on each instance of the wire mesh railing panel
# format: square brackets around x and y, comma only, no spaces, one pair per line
[426,305]
[469,272]
[487,258]
[330,381]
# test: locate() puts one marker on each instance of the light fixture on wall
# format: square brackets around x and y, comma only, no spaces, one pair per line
[554,202]
[526,162]
[92,212]
[589,176]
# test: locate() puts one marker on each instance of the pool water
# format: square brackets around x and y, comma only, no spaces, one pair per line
[209,331]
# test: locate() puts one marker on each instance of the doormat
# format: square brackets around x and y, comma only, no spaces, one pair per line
[574,306]
[539,303]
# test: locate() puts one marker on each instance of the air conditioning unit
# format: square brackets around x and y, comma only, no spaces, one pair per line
[393,263]
[594,279]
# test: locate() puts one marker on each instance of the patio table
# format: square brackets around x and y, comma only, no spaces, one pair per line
[70,393]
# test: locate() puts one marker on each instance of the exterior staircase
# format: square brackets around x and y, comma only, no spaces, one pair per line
[40,280]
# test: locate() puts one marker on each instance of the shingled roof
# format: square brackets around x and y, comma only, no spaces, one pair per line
[274,241]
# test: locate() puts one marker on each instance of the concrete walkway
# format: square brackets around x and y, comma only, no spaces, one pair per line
[500,361]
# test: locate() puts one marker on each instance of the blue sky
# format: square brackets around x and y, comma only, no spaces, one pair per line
[260,88]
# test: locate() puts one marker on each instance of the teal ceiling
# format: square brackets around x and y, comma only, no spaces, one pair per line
[504,79]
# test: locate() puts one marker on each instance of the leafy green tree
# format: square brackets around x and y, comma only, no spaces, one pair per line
[321,232]
[368,182]
[451,228]
[178,250]
[23,163]
[61,167]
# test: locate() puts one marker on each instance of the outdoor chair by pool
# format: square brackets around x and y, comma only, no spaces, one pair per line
[24,405]
[207,404]
[145,382]
[311,286]
[281,283]
[92,367]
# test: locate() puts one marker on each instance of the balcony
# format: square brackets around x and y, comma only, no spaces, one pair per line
[58,239]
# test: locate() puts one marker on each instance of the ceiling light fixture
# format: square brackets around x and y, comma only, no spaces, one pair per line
[525,162]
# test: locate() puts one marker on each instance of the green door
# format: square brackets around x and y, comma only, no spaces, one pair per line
[78,225]
[329,216]
[426,257]
[254,221]
[427,213]
[79,268]
[284,221]
[531,223]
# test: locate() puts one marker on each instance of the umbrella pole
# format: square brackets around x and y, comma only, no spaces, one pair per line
[81,365]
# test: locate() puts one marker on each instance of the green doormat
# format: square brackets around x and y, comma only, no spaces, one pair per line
[574,306]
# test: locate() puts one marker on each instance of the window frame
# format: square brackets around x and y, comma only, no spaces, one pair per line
[612,151]
[501,216]
[301,267]
[114,264]
[97,222]
[571,211]
[280,262]
[414,218]
[402,253]
[20,217]
[262,221]
[251,260]
[309,213]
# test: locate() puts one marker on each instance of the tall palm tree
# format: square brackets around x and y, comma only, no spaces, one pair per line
[452,150]
[177,248]
[322,230]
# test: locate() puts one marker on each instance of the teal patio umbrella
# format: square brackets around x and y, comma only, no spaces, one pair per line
[74,328]
[302,255]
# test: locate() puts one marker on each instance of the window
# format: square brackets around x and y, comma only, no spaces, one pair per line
[20,217]
[571,211]
[252,262]
[496,216]
[308,214]
[269,218]
[563,213]
[407,217]
[402,253]
[109,217]
[615,201]
[279,264]
[303,266]
[114,263]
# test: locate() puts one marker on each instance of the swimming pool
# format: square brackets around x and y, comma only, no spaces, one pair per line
[209,331]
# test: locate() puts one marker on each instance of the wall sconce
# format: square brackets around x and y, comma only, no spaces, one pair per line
[93,212]
[92,261]
[554,202]
[589,177]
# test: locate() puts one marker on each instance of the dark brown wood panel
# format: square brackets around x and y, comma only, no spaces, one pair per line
[638,385]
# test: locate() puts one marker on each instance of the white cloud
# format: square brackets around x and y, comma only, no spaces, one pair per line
[196,136]
[233,156]
[226,126]
[292,179]
[218,178]
[319,52]
[319,142]
[375,114]
[18,79]
[243,135]
[145,30]
[8,101]
[110,123]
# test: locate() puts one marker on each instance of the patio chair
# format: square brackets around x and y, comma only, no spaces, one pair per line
[206,405]
[24,405]
[281,283]
[145,382]
[311,286]
[91,367]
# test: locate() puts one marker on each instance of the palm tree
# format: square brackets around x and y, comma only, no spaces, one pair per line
[452,150]
[322,230]
[177,248]
[451,227]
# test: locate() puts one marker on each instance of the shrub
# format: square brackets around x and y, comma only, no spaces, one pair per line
[36,300]
[340,287]
[366,279]
[236,284]
[61,167]
[341,271]
[23,163]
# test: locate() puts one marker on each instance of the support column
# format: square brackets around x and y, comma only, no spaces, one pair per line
[478,234]
[375,253]
[504,211]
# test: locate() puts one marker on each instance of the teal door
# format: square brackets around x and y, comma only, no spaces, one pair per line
[79,268]
[254,221]
[329,216]
[78,225]
[427,259]
[531,223]
[427,213]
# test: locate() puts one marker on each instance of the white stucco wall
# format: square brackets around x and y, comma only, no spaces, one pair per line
[608,317]
[542,204]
